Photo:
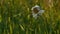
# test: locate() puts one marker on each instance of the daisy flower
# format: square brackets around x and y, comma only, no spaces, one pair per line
[36,11]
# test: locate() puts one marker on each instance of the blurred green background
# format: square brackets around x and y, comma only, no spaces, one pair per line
[15,17]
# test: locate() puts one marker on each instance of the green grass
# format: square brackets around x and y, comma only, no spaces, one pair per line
[15,17]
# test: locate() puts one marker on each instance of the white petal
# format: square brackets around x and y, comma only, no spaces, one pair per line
[41,11]
[36,6]
[32,8]
[34,16]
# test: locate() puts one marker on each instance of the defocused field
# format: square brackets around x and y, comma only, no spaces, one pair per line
[15,17]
